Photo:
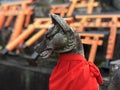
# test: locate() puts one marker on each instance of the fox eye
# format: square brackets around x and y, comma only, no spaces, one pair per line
[49,37]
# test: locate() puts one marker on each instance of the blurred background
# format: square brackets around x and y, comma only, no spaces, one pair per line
[24,22]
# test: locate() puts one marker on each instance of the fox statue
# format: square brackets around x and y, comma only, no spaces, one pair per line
[73,71]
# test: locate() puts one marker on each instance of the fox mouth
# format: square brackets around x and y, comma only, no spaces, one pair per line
[45,54]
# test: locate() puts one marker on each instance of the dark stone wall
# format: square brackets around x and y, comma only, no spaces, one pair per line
[18,75]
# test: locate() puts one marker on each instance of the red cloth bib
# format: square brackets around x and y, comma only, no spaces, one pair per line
[73,72]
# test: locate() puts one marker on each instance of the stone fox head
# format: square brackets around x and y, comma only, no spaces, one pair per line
[60,38]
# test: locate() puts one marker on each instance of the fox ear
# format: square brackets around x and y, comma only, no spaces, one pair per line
[52,16]
[56,19]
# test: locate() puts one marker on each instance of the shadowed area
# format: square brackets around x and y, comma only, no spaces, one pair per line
[16,74]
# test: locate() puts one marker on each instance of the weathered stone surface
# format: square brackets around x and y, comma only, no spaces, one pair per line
[16,74]
[114,75]
[114,66]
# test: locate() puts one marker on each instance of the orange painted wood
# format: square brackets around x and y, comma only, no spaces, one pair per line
[111,39]
[111,21]
[28,17]
[96,21]
[91,5]
[13,44]
[15,9]
[17,28]
[94,40]
[8,21]
[60,9]
[34,38]
[72,7]
[43,23]
[68,9]
[2,16]
[88,4]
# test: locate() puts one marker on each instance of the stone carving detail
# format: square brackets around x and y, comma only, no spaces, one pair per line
[60,38]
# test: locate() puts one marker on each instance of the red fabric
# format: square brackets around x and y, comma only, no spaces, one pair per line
[73,72]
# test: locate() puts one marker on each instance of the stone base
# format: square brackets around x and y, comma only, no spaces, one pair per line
[114,66]
[18,75]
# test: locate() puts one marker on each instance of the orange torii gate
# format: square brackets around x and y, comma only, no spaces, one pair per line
[60,9]
[93,39]
[89,4]
[110,21]
[43,23]
[12,9]
[69,8]
[46,22]
[3,10]
[22,10]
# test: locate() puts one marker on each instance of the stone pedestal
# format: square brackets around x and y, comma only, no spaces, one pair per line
[18,75]
[114,66]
